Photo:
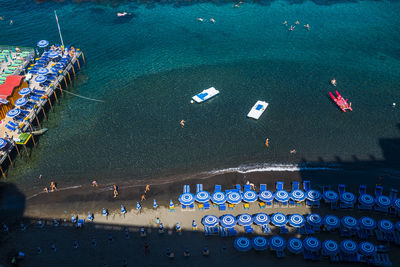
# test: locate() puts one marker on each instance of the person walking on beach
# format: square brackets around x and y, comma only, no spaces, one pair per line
[147,189]
[115,191]
[143,197]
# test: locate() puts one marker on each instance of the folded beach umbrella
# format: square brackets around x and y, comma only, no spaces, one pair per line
[349,222]
[266,196]
[281,196]
[330,196]
[250,196]
[218,198]
[155,205]
[20,102]
[3,143]
[261,219]
[383,201]
[43,71]
[233,198]
[123,210]
[171,204]
[296,220]
[242,244]
[202,196]
[367,249]
[366,200]
[186,199]
[297,195]
[105,212]
[210,220]
[386,226]
[43,43]
[260,243]
[312,244]
[40,78]
[313,195]
[330,247]
[277,243]
[295,245]
[90,216]
[245,219]
[13,113]
[314,219]
[367,223]
[228,221]
[348,197]
[278,219]
[331,222]
[138,206]
[348,246]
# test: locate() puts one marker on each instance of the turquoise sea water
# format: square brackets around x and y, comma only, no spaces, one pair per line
[148,66]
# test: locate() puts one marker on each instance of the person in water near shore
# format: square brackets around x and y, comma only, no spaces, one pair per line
[291,28]
[53,186]
[115,191]
[267,142]
[293,151]
[307,26]
[182,123]
[40,176]
[297,22]
[94,183]
[200,19]
[212,20]
[333,82]
[285,22]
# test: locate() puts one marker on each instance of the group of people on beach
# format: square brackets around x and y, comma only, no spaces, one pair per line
[52,188]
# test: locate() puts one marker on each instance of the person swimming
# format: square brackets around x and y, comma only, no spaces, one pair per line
[200,19]
[291,28]
[285,22]
[307,26]
[182,123]
[297,22]
[333,82]
[119,14]
[267,142]
[293,151]
[212,20]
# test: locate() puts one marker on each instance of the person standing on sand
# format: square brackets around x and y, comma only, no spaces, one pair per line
[147,189]
[115,191]
[53,186]
[143,198]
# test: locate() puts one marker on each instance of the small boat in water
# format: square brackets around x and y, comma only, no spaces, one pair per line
[258,109]
[39,132]
[341,102]
[205,95]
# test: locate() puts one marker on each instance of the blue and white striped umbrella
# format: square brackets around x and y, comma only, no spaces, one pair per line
[43,43]
[297,195]
[295,245]
[281,196]
[218,198]
[228,221]
[171,204]
[3,143]
[138,206]
[250,196]
[202,196]
[313,195]
[13,112]
[245,219]
[186,199]
[348,197]
[53,54]
[396,204]
[277,243]
[210,220]
[397,226]
[349,222]
[233,198]
[330,247]
[242,244]
[367,248]
[314,219]
[43,71]
[266,196]
[312,244]
[104,212]
[386,226]
[348,246]
[366,200]
[296,220]
[332,221]
[278,219]
[383,201]
[330,196]
[367,223]
[260,243]
[261,219]
[25,91]
[40,78]
[21,102]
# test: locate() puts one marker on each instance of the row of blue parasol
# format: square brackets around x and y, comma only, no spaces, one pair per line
[312,244]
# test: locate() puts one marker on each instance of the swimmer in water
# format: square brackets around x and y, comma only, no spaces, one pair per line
[307,26]
[200,19]
[237,5]
[267,142]
[333,82]
[119,14]
[297,22]
[212,20]
[11,22]
[285,22]
[291,28]
[293,151]
[182,123]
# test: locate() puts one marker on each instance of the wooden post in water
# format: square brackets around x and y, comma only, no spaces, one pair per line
[69,77]
[8,155]
[55,95]
[59,86]
[44,113]
[33,139]
[83,57]
[73,70]
[79,65]
[26,150]
[65,80]
[51,106]
[38,122]
[16,146]
[2,172]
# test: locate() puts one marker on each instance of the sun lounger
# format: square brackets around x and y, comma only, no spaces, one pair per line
[231,206]
[246,206]
[261,205]
[295,185]
[362,190]
[341,189]
[13,124]
[80,223]
[266,229]
[280,254]
[222,207]
[378,190]
[217,188]
[206,206]
[247,187]
[239,187]
[223,232]
[279,186]
[248,229]
[232,232]
[283,230]
[199,187]
[9,127]
[306,185]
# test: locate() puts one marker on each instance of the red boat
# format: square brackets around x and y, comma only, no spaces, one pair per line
[341,102]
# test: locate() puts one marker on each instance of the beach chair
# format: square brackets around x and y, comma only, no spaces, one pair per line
[232,232]
[247,187]
[206,206]
[191,206]
[217,188]
[184,189]
[306,185]
[295,185]
[362,190]
[283,230]
[239,188]
[80,223]
[223,232]
[246,206]
[263,187]
[201,206]
[248,229]
[222,207]
[378,190]
[341,189]
[231,206]
[266,229]
[279,186]
[9,127]
[261,205]
[309,229]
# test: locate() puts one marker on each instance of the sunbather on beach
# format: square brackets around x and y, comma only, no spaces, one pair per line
[143,198]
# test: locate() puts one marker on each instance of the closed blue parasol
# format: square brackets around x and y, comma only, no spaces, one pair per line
[312,244]
[296,220]
[260,243]
[396,204]
[383,201]
[123,210]
[13,112]
[348,246]
[367,223]
[202,196]
[278,219]
[3,143]
[242,244]
[266,196]
[43,43]
[233,198]
[386,226]
[281,196]
[21,102]
[171,204]
[277,243]
[349,222]
[314,219]
[330,247]
[43,71]
[331,222]
[313,195]
[295,245]
[210,220]
[366,200]
[367,249]
[186,199]
[228,221]
[40,78]
[53,54]
[245,219]
[250,196]
[348,197]
[330,196]
[298,195]
[138,206]
[218,198]
[261,219]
